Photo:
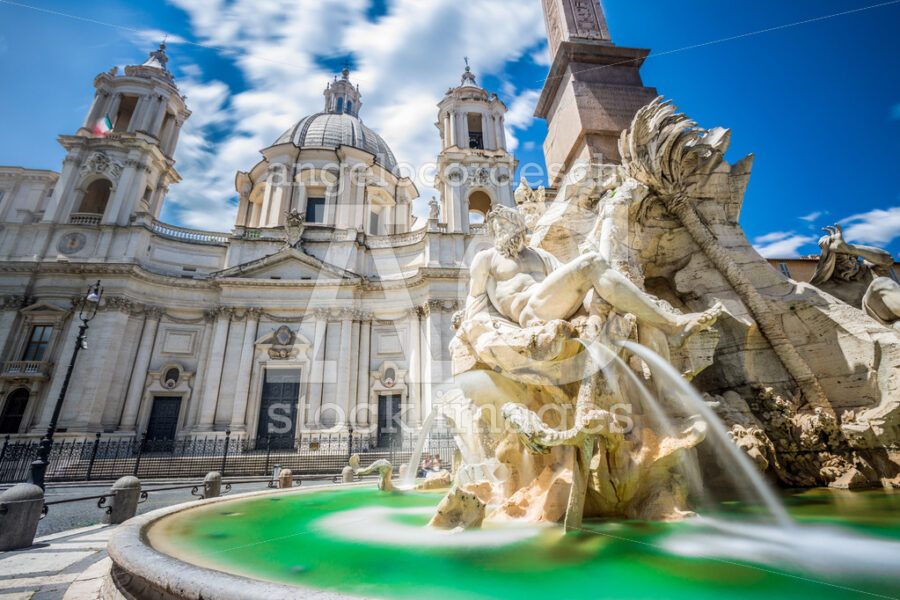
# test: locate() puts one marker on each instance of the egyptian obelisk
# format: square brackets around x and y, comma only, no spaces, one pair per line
[593,89]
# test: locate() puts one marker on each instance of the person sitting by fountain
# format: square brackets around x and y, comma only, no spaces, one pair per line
[436,464]
[530,287]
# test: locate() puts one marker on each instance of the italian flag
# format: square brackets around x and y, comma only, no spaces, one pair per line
[102,127]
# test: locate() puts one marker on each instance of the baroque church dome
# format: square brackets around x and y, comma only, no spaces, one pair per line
[333,129]
[339,124]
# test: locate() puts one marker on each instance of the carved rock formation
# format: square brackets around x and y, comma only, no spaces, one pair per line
[458,510]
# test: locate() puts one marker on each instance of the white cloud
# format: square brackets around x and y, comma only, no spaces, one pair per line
[781,244]
[152,37]
[811,217]
[541,56]
[404,62]
[520,116]
[878,226]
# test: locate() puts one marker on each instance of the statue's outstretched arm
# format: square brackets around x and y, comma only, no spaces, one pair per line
[876,256]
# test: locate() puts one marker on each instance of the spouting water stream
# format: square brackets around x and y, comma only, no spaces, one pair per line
[614,368]
[692,400]
[409,475]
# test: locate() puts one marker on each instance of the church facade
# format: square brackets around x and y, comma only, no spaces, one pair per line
[327,306]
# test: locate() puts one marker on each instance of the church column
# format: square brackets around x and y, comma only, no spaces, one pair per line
[130,412]
[414,352]
[462,124]
[158,115]
[343,384]
[488,132]
[314,404]
[66,341]
[136,186]
[453,136]
[119,194]
[10,310]
[445,130]
[137,117]
[432,355]
[104,340]
[214,369]
[331,200]
[362,376]
[242,385]
[502,127]
[353,399]
[95,114]
[300,198]
[112,108]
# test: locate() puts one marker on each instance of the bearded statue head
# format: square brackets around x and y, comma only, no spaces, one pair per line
[507,229]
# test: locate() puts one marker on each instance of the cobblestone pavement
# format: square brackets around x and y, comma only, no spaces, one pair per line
[61,553]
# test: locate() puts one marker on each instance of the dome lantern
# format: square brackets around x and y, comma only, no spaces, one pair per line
[341,96]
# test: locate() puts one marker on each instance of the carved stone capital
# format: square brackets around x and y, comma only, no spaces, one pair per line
[119,304]
[154,313]
[219,312]
[12,302]
[252,313]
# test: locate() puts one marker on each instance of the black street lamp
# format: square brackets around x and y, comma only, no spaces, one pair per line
[87,312]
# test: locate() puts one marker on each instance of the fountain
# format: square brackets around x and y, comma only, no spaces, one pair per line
[587,447]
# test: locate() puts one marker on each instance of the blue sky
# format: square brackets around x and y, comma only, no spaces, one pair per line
[817,103]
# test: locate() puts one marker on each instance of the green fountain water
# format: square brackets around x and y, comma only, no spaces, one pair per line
[341,540]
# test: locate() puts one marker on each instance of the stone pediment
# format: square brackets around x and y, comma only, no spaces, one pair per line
[288,264]
[42,307]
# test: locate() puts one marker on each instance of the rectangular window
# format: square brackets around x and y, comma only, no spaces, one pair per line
[373,223]
[37,342]
[784,269]
[315,210]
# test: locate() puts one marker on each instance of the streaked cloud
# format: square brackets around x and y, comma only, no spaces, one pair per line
[404,61]
[781,244]
[878,226]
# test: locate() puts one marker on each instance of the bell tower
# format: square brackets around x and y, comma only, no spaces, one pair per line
[119,162]
[474,168]
[593,89]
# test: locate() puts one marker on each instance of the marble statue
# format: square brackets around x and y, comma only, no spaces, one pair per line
[530,287]
[434,209]
[650,251]
[526,321]
[531,203]
[382,466]
[846,270]
[882,302]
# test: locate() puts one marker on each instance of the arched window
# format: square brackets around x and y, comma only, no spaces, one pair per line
[480,204]
[340,104]
[349,106]
[14,411]
[95,197]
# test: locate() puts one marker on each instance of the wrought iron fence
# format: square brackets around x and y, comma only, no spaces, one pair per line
[316,453]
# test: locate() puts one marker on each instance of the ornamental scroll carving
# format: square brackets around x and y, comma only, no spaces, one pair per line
[100,162]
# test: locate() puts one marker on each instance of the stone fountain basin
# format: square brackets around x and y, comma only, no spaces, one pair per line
[140,571]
